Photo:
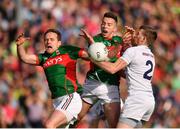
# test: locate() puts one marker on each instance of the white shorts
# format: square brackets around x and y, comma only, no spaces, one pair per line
[94,90]
[138,106]
[97,110]
[70,105]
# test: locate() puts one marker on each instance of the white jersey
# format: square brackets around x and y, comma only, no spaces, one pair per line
[141,64]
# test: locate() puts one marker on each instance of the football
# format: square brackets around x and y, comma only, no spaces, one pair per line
[98,51]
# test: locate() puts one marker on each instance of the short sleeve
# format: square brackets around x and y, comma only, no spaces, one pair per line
[40,59]
[128,55]
[98,38]
[74,52]
[117,39]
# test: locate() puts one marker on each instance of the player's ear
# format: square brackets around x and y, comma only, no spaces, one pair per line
[59,43]
[144,38]
[116,29]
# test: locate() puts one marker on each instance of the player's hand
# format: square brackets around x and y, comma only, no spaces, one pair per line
[127,38]
[129,29]
[87,36]
[128,35]
[117,34]
[21,39]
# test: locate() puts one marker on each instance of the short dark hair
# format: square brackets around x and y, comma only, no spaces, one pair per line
[54,31]
[111,15]
[149,32]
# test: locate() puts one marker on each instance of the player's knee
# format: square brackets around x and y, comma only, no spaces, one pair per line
[49,124]
[80,116]
[113,124]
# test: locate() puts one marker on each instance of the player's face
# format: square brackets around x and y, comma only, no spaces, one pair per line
[51,42]
[138,37]
[108,27]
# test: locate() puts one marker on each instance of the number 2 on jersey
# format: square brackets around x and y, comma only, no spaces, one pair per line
[146,74]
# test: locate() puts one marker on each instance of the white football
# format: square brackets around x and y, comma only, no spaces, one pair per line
[98,51]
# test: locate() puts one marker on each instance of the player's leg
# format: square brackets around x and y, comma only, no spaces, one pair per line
[130,123]
[66,110]
[111,102]
[94,117]
[97,116]
[136,109]
[89,121]
[88,97]
[85,108]
[127,123]
[112,113]
[56,119]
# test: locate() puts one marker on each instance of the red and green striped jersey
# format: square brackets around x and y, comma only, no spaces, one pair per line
[60,70]
[99,74]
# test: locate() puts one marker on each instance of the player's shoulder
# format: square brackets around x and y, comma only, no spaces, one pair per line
[132,48]
[135,48]
[43,54]
[139,50]
[131,51]
[98,37]
[42,57]
[68,47]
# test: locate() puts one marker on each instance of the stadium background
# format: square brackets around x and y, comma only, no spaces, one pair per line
[24,95]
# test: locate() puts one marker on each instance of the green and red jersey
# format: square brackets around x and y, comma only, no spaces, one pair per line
[60,70]
[96,72]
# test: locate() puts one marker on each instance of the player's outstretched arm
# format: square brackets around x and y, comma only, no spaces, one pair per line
[111,67]
[23,55]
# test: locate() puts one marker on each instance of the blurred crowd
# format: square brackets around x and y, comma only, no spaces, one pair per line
[24,96]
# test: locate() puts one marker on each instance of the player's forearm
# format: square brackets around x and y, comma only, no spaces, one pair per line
[26,58]
[106,66]
[21,52]
[112,67]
